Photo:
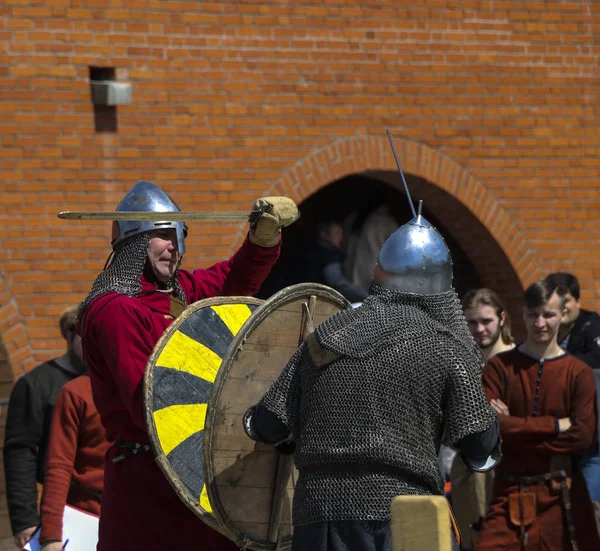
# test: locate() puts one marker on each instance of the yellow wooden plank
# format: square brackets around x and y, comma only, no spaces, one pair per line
[233,315]
[185,354]
[177,423]
[421,523]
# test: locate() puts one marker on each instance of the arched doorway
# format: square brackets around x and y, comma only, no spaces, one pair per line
[484,231]
[478,259]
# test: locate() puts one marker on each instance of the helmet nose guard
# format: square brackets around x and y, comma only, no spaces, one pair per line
[146,197]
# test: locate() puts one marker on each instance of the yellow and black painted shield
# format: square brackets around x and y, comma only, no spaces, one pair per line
[177,387]
[250,485]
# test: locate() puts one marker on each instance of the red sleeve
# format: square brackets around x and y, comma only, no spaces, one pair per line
[494,380]
[580,437]
[514,430]
[60,462]
[122,336]
[241,275]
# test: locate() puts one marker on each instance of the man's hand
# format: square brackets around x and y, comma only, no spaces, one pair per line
[564,424]
[22,537]
[278,212]
[53,546]
[500,407]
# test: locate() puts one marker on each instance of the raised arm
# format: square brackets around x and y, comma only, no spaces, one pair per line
[242,274]
[245,271]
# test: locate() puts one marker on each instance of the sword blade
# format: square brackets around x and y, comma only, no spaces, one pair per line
[195,216]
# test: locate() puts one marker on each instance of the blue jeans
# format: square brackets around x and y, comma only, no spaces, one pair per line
[590,467]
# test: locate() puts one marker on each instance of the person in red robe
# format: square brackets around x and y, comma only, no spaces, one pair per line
[75,460]
[130,305]
[545,402]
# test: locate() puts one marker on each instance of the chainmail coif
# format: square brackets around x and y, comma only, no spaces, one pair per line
[124,272]
[361,332]
[403,378]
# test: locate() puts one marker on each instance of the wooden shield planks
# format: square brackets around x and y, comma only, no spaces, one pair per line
[242,475]
[178,383]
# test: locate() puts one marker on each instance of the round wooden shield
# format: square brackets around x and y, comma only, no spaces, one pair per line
[178,382]
[250,485]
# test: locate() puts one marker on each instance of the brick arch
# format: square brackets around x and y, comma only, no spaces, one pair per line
[363,154]
[16,353]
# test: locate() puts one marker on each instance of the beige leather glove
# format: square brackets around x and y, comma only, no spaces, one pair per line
[278,212]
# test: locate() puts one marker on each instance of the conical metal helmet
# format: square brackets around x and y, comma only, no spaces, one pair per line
[146,197]
[415,259]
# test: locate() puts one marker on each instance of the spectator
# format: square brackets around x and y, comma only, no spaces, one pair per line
[579,334]
[364,245]
[324,263]
[545,402]
[28,427]
[130,305]
[75,462]
[489,323]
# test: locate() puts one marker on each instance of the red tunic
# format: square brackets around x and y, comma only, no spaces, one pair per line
[537,395]
[140,509]
[75,460]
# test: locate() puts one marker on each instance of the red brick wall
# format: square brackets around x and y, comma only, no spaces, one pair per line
[494,102]
[229,97]
[232,100]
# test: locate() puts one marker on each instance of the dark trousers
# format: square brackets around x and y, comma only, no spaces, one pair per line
[349,535]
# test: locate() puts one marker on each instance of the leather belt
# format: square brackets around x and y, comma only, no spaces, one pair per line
[132,448]
[564,482]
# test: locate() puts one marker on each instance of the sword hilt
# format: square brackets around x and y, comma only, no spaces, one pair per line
[256,213]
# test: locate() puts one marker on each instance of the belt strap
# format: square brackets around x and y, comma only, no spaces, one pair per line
[530,480]
[566,498]
[559,476]
[132,448]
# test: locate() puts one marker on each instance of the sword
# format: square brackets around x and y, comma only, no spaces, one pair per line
[192,216]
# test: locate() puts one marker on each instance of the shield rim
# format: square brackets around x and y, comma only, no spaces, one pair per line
[288,294]
[159,456]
